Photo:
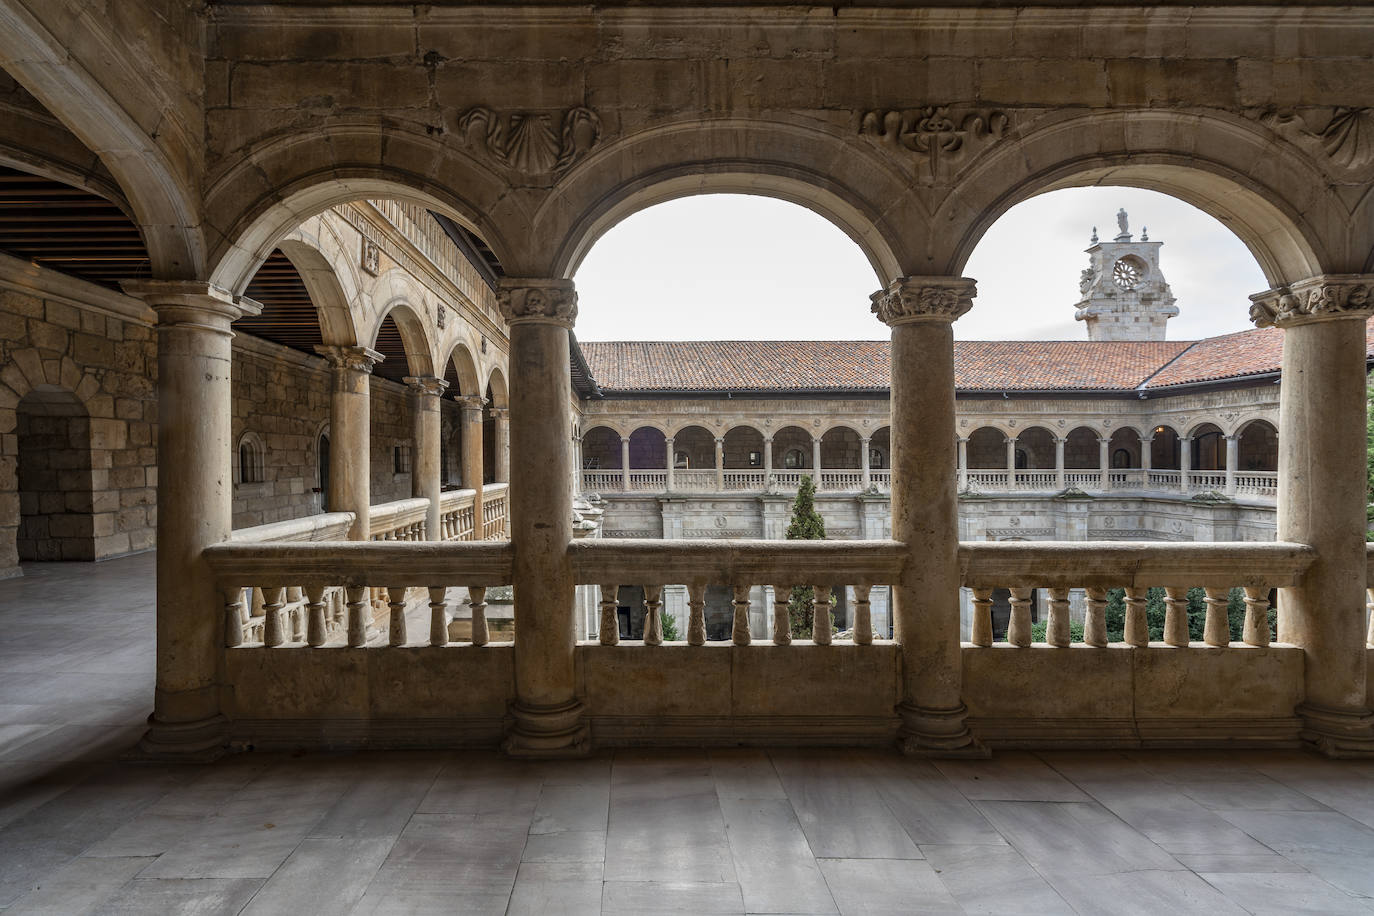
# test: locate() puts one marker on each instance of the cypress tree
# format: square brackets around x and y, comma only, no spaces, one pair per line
[806,525]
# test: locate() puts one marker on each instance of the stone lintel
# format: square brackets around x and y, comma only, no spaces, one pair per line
[1325,297]
[911,299]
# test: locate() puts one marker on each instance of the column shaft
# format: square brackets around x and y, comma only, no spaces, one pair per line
[863,463]
[1185,460]
[625,463]
[350,432]
[720,465]
[1103,462]
[472,456]
[963,463]
[816,460]
[1059,462]
[1232,460]
[668,463]
[502,444]
[426,474]
[768,463]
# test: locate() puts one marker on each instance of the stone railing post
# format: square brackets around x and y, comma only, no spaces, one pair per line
[501,443]
[1321,501]
[471,407]
[546,717]
[921,312]
[194,501]
[425,474]
[350,431]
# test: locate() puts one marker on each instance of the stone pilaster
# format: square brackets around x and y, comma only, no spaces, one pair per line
[350,428]
[194,500]
[921,312]
[1322,480]
[546,717]
[425,474]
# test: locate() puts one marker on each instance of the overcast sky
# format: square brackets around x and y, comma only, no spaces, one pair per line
[738,267]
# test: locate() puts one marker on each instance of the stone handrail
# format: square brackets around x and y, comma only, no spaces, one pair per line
[327,526]
[399,520]
[1075,564]
[361,563]
[732,561]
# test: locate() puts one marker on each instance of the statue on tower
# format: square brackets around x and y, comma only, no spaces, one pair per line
[1122,224]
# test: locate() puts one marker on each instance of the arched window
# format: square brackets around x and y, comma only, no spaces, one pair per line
[250,463]
[794,458]
[876,458]
[1121,458]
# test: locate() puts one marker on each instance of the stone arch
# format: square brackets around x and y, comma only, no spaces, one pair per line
[648,449]
[601,448]
[1081,449]
[1273,196]
[1208,447]
[792,449]
[496,384]
[987,449]
[330,278]
[697,444]
[460,369]
[743,447]
[1123,450]
[319,166]
[1258,448]
[1165,448]
[841,447]
[250,459]
[880,448]
[1035,447]
[414,336]
[875,204]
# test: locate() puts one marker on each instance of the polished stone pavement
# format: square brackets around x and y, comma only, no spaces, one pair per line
[636,832]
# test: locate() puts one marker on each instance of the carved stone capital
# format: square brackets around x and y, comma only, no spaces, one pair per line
[426,384]
[471,401]
[499,413]
[538,301]
[359,359]
[1320,298]
[191,303]
[911,299]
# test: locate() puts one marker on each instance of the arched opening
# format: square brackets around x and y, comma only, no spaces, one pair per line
[841,449]
[792,449]
[1165,452]
[1082,451]
[743,449]
[694,448]
[1034,449]
[1124,449]
[1208,448]
[648,449]
[401,341]
[1258,449]
[987,449]
[880,449]
[460,372]
[600,449]
[322,470]
[488,443]
[56,494]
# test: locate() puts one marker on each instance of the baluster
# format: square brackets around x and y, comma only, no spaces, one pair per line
[696,614]
[1256,632]
[1369,606]
[981,627]
[782,619]
[1217,629]
[273,599]
[653,626]
[233,616]
[820,619]
[477,600]
[1137,626]
[1057,630]
[438,615]
[359,609]
[739,630]
[396,629]
[1019,627]
[315,631]
[1176,616]
[863,616]
[610,618]
[1095,623]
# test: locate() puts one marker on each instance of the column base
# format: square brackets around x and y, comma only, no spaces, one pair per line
[1337,732]
[938,733]
[546,731]
[199,741]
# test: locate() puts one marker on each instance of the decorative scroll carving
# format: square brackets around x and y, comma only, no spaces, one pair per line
[359,359]
[1344,135]
[1315,299]
[426,384]
[529,143]
[537,301]
[924,299]
[933,133]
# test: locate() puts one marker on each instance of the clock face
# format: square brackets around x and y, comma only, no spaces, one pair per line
[1127,272]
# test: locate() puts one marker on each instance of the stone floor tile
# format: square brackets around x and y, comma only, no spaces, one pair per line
[1074,838]
[1280,894]
[201,896]
[322,876]
[693,849]
[78,886]
[993,880]
[876,887]
[1348,789]
[1270,862]
[556,889]
[1143,893]
[926,804]
[777,870]
[148,834]
[571,808]
[670,898]
[745,773]
[1330,845]
[1009,776]
[381,800]
[571,846]
[843,816]
[1216,780]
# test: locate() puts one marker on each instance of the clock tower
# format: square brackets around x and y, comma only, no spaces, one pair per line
[1123,293]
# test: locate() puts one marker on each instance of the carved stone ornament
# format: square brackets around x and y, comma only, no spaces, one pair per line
[371,257]
[1344,135]
[934,134]
[911,299]
[359,359]
[537,301]
[426,384]
[441,316]
[1315,299]
[528,142]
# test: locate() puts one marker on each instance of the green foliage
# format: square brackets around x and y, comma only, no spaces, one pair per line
[806,525]
[1038,631]
[670,633]
[1156,610]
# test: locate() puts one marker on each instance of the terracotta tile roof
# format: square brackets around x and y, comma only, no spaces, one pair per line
[979,365]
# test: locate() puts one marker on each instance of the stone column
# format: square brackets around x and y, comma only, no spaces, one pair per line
[816,460]
[425,473]
[1103,462]
[1011,462]
[576,466]
[1185,461]
[668,463]
[1059,462]
[471,406]
[1232,460]
[963,463]
[1147,457]
[350,434]
[625,463]
[863,462]
[1322,498]
[194,501]
[768,463]
[720,464]
[502,444]
[921,312]
[546,716]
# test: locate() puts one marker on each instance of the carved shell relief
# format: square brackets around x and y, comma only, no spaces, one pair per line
[528,142]
[1344,136]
